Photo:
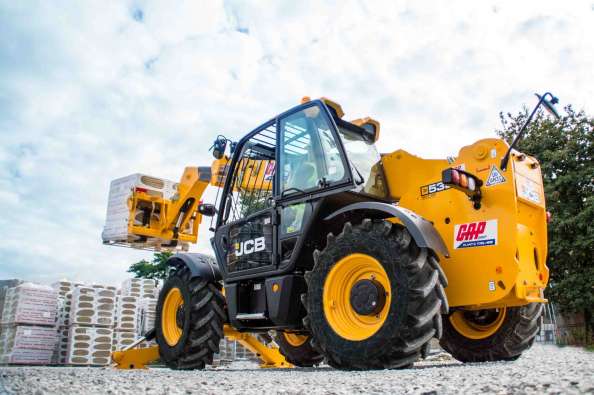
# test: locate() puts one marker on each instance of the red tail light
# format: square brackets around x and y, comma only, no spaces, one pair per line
[465,182]
[549,217]
[455,177]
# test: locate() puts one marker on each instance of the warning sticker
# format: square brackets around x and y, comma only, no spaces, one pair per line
[269,172]
[495,177]
[475,234]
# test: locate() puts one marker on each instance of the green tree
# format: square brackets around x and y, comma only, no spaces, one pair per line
[156,268]
[565,150]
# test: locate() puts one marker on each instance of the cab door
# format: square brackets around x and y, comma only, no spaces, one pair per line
[245,239]
[312,164]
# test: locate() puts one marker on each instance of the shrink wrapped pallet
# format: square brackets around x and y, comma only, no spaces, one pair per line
[27,344]
[92,306]
[89,345]
[26,356]
[30,303]
[127,313]
[139,287]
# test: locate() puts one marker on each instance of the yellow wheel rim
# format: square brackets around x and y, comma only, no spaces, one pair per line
[471,328]
[340,315]
[171,331]
[294,339]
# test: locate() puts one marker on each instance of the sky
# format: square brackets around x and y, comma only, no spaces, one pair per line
[93,91]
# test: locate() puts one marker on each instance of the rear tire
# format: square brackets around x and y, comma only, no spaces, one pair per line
[189,335]
[299,352]
[515,334]
[394,336]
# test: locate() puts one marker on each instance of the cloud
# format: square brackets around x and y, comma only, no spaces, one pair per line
[92,92]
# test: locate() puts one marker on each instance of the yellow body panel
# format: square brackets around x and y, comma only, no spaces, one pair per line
[512,272]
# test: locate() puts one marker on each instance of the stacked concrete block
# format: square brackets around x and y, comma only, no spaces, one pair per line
[4,286]
[61,350]
[158,290]
[139,287]
[101,286]
[90,316]
[65,286]
[88,345]
[127,312]
[148,313]
[122,339]
[64,307]
[92,306]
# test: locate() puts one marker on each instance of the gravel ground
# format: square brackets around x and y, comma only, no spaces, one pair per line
[542,369]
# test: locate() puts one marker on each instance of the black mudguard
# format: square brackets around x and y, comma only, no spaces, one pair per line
[200,265]
[422,231]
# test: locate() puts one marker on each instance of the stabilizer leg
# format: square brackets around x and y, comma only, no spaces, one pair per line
[137,358]
[270,357]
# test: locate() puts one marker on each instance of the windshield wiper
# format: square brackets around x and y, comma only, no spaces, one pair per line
[359,174]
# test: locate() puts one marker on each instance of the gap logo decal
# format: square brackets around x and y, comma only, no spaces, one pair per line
[250,246]
[475,234]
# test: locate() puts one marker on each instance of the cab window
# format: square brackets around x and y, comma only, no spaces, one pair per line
[309,155]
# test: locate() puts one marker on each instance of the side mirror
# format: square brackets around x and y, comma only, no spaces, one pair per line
[218,147]
[207,209]
[549,105]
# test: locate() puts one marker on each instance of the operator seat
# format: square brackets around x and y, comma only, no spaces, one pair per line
[304,177]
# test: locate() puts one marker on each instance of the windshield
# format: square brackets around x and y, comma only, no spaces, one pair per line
[366,163]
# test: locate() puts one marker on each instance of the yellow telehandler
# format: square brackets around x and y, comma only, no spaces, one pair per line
[343,254]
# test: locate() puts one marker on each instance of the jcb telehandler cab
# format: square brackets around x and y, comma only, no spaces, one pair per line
[345,254]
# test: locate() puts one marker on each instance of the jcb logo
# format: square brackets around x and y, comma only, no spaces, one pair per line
[250,246]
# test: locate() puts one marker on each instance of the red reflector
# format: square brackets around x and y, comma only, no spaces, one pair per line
[463,180]
[549,216]
[144,190]
[455,177]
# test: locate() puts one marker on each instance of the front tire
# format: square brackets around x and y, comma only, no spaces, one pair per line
[189,320]
[297,349]
[374,297]
[491,335]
